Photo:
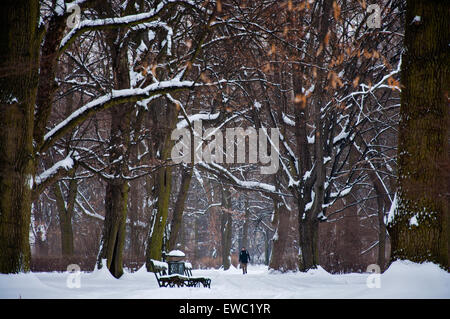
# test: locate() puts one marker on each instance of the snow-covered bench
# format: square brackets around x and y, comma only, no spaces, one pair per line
[160,269]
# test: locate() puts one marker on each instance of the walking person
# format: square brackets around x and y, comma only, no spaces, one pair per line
[244,258]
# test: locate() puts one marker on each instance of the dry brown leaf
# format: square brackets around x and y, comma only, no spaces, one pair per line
[301,6]
[319,50]
[367,54]
[336,11]
[272,49]
[219,6]
[393,83]
[327,38]
[375,54]
[205,78]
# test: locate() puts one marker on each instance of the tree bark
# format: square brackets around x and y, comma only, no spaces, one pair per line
[309,244]
[383,206]
[244,240]
[267,250]
[65,214]
[19,58]
[156,238]
[177,218]
[308,222]
[281,223]
[113,237]
[116,196]
[419,229]
[226,228]
[135,203]
[164,186]
[196,239]
[47,75]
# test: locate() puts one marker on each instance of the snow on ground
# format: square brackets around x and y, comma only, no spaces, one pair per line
[403,279]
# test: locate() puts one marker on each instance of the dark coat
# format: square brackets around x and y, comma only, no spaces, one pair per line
[244,257]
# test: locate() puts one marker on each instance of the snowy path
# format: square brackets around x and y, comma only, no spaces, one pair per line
[401,280]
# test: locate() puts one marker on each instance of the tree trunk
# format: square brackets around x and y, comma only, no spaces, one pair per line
[309,227]
[135,203]
[65,214]
[308,244]
[266,248]
[156,238]
[281,221]
[196,239]
[19,58]
[419,229]
[351,244]
[65,225]
[116,196]
[177,218]
[244,240]
[226,223]
[383,206]
[381,259]
[164,186]
[113,237]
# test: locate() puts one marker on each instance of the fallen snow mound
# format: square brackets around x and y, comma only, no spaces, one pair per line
[403,279]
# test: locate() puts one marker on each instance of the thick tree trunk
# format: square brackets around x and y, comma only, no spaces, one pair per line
[135,204]
[308,244]
[351,243]
[19,58]
[177,218]
[196,239]
[65,214]
[113,237]
[116,196]
[47,75]
[65,225]
[166,123]
[419,229]
[281,222]
[156,238]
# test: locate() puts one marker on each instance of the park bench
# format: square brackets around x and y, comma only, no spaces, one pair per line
[167,278]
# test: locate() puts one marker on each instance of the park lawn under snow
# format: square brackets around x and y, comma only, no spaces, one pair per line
[403,279]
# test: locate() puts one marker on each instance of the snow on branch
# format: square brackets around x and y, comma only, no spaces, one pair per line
[65,164]
[228,176]
[88,213]
[60,168]
[197,117]
[108,100]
